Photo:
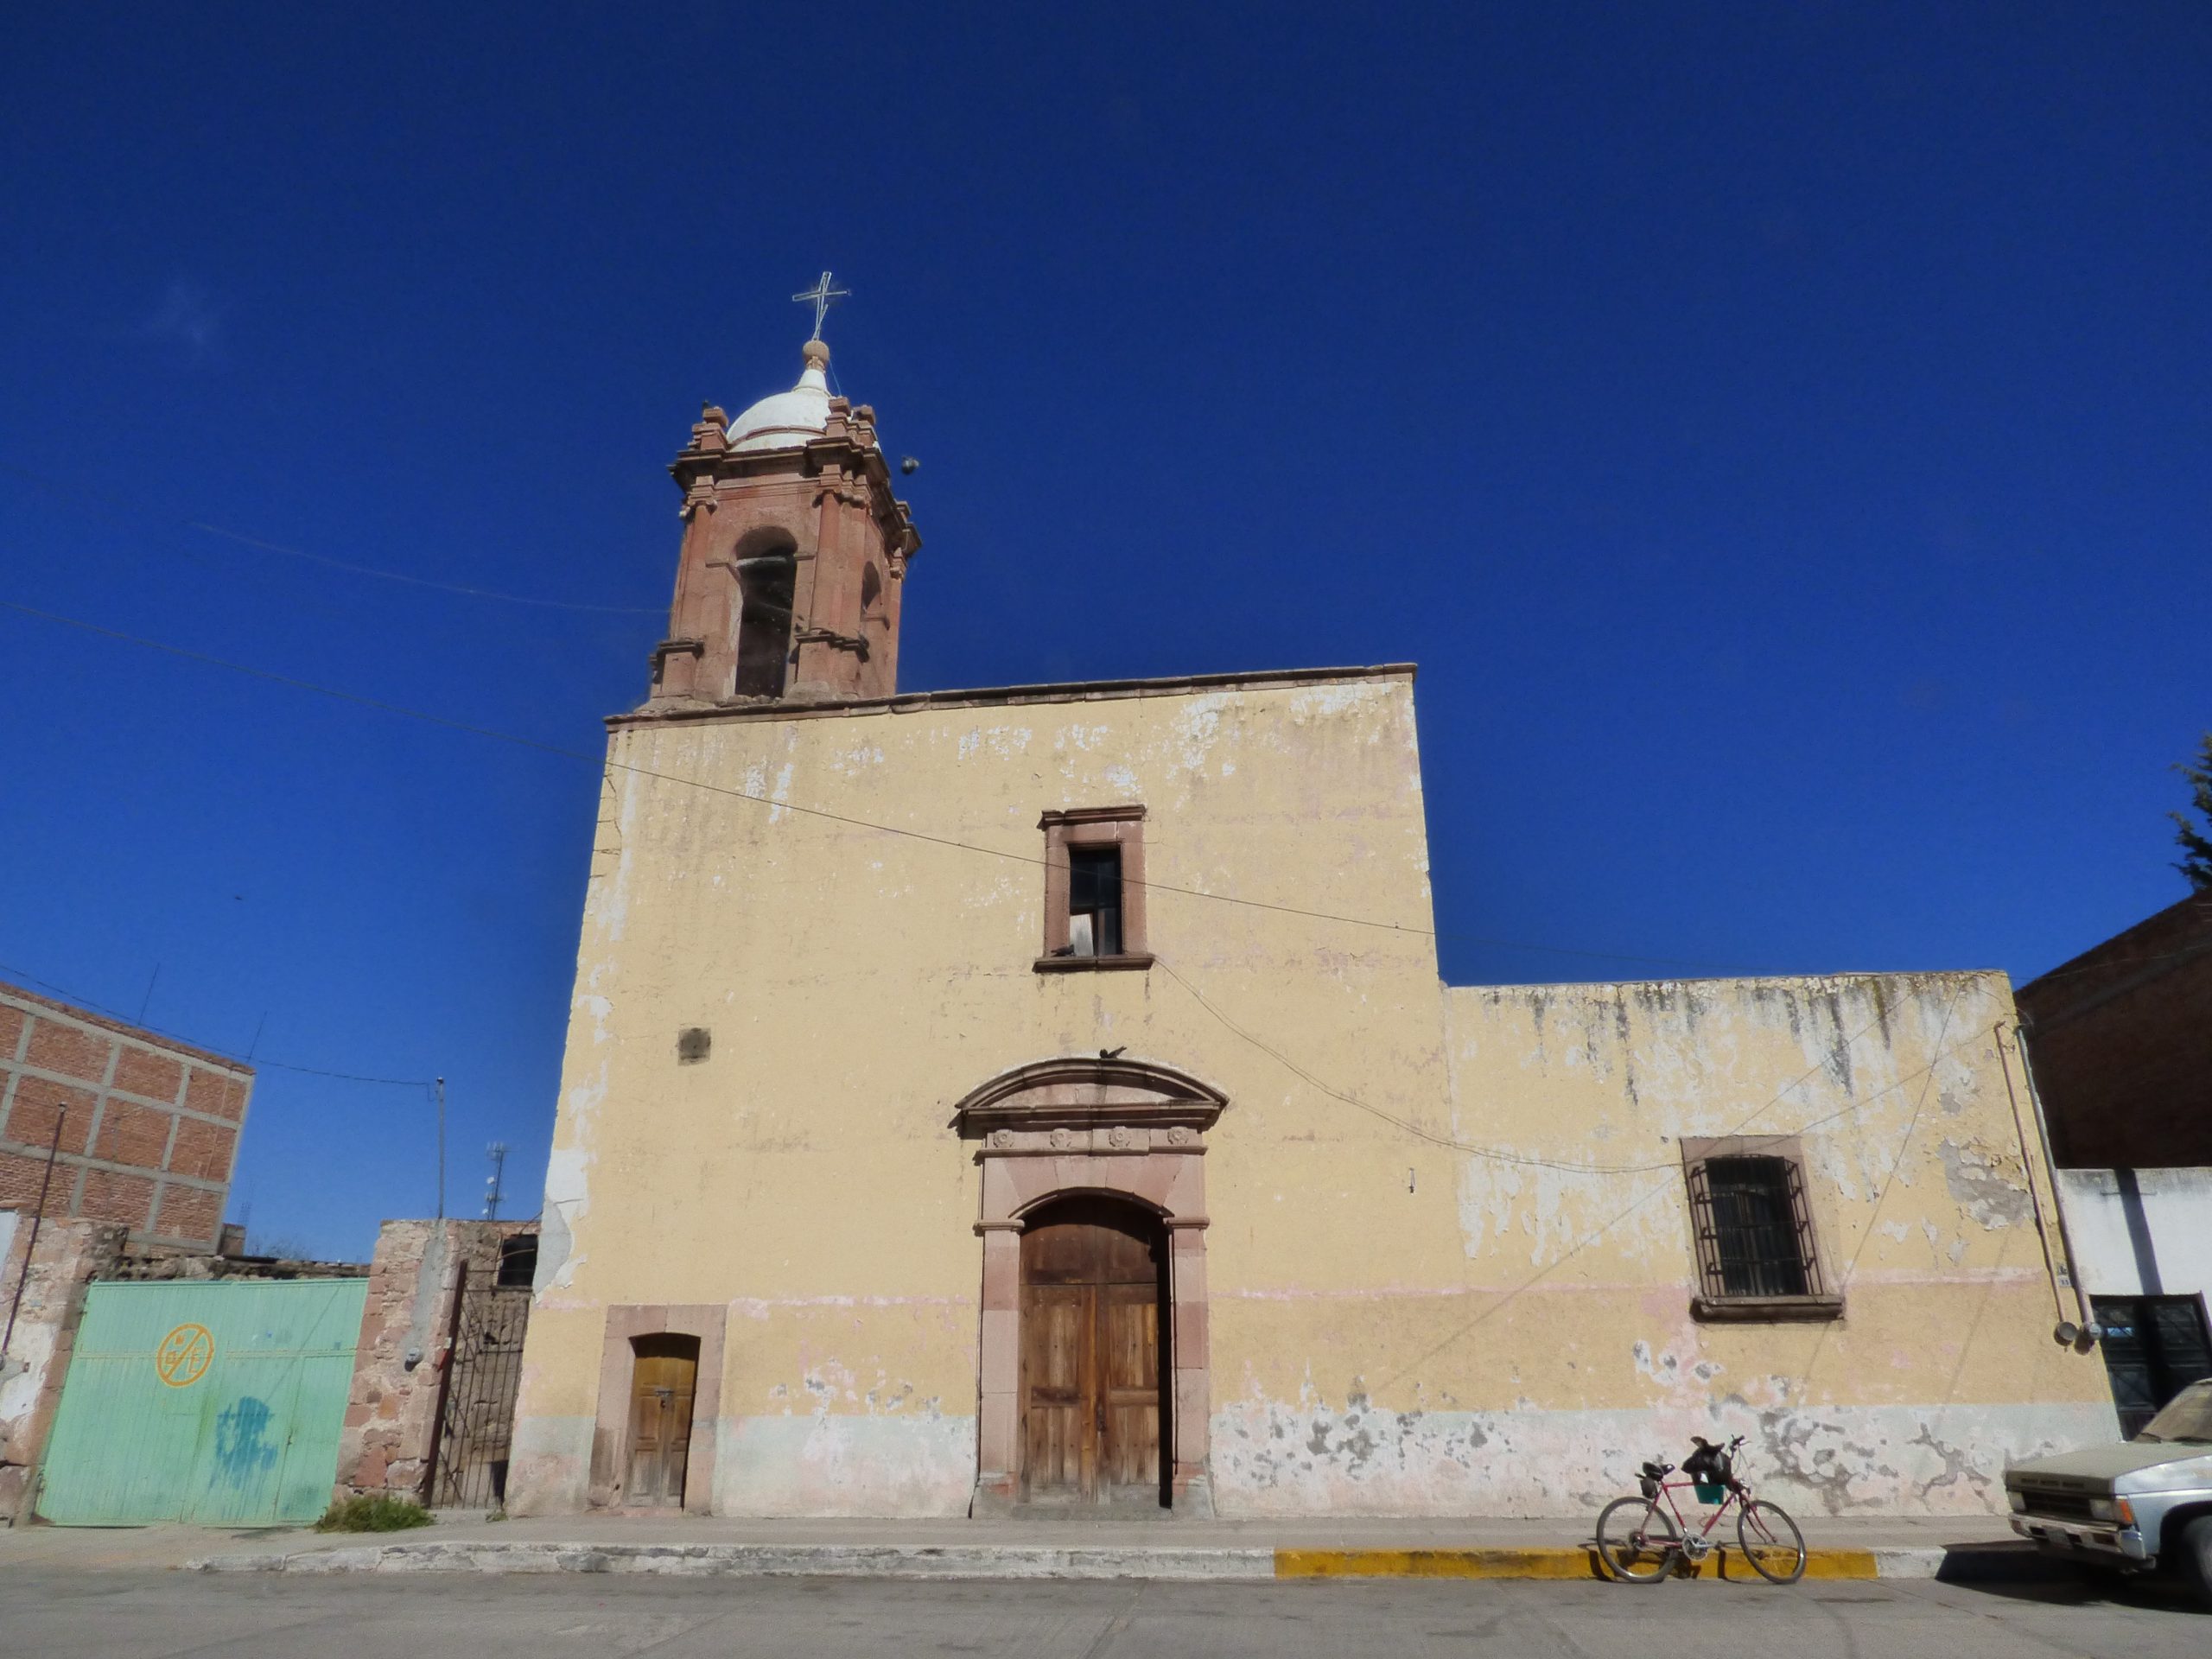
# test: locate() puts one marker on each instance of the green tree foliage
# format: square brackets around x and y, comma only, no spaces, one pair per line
[2196,845]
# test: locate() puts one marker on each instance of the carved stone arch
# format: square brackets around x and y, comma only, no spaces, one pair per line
[1116,1128]
[1121,1195]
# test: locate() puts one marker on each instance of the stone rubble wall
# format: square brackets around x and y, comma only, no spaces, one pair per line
[389,1443]
[70,1255]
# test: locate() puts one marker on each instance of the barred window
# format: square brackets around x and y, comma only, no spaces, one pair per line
[1753,1231]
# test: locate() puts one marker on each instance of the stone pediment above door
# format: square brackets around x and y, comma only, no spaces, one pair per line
[1089,1104]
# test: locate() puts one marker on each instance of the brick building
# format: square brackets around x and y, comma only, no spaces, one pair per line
[2122,1039]
[151,1133]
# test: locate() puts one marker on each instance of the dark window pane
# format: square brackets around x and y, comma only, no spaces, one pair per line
[1094,878]
[1755,1235]
[1094,900]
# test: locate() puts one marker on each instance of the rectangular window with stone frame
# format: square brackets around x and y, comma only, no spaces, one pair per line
[1752,1230]
[1094,889]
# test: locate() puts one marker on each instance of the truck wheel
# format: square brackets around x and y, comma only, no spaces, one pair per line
[2196,1559]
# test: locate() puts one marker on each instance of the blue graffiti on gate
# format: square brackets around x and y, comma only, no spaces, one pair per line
[243,1448]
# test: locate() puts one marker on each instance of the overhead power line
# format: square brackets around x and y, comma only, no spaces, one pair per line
[468,590]
[587,758]
[20,977]
[1407,1125]
[1496,1154]
[597,761]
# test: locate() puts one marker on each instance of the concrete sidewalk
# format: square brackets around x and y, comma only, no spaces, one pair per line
[686,1545]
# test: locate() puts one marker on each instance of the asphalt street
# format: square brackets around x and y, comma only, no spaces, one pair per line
[140,1615]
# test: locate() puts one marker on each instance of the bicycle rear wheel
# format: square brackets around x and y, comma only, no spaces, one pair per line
[1638,1540]
[1771,1543]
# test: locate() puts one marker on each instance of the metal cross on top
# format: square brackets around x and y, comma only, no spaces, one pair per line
[822,297]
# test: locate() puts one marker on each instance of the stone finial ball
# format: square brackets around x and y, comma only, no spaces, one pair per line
[816,353]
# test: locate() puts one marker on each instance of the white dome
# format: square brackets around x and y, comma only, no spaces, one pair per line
[788,419]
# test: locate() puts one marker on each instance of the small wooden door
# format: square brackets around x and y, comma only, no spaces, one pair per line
[663,1379]
[1093,1295]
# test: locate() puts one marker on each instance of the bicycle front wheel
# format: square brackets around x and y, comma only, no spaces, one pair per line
[1771,1543]
[1638,1540]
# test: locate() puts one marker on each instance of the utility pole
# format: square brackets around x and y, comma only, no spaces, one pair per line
[441,1148]
[52,1150]
[498,1153]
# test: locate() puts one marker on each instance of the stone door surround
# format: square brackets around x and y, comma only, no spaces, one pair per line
[610,1447]
[1125,1129]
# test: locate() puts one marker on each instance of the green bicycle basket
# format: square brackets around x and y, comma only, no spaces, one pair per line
[1711,1491]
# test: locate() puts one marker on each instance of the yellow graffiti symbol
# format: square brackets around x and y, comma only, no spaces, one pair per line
[183,1357]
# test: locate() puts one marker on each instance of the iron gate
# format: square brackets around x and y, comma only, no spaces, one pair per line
[476,1424]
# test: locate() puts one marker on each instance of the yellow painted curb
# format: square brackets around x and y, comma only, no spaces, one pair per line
[1554,1562]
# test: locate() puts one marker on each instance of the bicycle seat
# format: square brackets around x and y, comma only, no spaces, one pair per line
[1657,1471]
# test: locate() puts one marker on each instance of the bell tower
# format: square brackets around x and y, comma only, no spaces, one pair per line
[794,553]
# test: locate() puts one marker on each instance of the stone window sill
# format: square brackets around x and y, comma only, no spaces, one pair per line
[1139,960]
[1766,1308]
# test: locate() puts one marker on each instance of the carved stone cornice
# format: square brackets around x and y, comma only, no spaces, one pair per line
[835,641]
[1102,1107]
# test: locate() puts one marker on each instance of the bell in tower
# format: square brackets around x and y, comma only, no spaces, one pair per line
[794,553]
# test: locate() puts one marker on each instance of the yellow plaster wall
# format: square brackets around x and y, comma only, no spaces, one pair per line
[1397,1324]
[859,983]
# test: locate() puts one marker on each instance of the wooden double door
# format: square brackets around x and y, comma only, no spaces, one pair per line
[1094,1365]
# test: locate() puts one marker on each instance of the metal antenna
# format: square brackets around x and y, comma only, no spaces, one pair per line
[821,297]
[441,1148]
[498,1153]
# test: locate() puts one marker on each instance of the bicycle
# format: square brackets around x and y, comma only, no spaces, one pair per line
[1643,1539]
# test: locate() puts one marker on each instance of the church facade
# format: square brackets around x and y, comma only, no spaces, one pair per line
[1045,1097]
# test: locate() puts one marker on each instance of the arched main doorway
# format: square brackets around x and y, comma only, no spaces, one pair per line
[1095,1392]
[1112,1322]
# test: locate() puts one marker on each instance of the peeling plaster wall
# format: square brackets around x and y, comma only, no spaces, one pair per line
[1567,1351]
[856,985]
[1396,1325]
[70,1253]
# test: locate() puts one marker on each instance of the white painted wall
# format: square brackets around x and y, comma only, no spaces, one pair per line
[2169,1254]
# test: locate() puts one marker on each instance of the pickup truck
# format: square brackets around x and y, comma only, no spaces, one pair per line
[2133,1506]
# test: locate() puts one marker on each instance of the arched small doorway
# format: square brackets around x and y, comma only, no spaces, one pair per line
[1096,1395]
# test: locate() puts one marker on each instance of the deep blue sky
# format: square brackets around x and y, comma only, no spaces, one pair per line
[1779,433]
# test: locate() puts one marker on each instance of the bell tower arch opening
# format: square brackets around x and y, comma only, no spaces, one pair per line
[766,565]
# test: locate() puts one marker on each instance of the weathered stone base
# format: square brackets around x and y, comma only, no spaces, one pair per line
[1291,1460]
[550,1469]
[1308,1459]
[845,1466]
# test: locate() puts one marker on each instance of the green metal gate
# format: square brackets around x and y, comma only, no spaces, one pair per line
[219,1404]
